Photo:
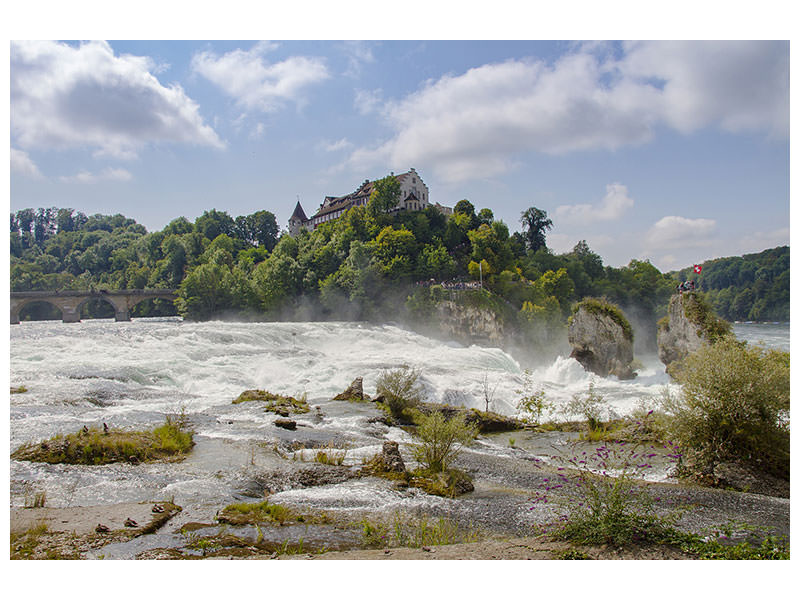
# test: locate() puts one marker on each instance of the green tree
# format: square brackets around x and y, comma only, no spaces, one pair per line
[535,223]
[384,196]
[213,223]
[204,292]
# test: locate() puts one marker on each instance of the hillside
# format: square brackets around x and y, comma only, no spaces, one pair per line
[753,287]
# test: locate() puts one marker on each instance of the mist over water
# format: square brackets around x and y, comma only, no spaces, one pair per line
[131,374]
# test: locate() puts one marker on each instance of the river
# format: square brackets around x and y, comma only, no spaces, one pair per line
[131,374]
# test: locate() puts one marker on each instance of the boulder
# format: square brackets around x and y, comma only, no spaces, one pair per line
[688,325]
[285,423]
[392,460]
[354,393]
[601,339]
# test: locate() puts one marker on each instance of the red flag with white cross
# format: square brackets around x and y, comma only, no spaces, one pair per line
[697,268]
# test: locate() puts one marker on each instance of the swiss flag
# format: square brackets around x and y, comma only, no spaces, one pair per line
[697,268]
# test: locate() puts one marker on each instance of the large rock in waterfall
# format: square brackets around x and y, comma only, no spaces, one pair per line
[354,393]
[689,324]
[601,339]
[470,323]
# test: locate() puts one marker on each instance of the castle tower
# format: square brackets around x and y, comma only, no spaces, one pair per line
[297,220]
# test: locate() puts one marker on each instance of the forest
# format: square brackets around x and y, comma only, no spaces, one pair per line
[372,264]
[753,287]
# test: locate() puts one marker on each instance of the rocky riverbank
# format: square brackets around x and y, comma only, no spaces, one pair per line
[500,511]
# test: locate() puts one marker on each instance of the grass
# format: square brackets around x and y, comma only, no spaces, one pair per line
[20,389]
[24,544]
[401,530]
[282,405]
[253,513]
[95,447]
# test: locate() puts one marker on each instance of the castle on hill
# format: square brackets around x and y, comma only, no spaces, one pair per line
[413,196]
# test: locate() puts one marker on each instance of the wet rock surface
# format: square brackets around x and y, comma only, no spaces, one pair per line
[599,343]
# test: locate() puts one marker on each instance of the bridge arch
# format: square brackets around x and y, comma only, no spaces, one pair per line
[27,304]
[115,305]
[70,302]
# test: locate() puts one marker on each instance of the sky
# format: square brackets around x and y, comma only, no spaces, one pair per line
[672,152]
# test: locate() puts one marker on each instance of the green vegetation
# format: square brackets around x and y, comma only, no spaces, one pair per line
[753,287]
[602,307]
[259,512]
[21,389]
[700,312]
[734,406]
[355,267]
[589,406]
[605,505]
[441,440]
[401,391]
[254,513]
[533,401]
[402,530]
[283,405]
[23,545]
[94,447]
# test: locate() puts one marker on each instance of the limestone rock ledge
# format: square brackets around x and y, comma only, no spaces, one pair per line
[688,325]
[600,340]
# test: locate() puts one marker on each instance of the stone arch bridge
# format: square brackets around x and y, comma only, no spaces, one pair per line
[70,302]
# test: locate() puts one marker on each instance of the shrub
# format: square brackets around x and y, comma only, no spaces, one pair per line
[442,440]
[605,505]
[590,406]
[734,406]
[533,402]
[400,389]
[697,309]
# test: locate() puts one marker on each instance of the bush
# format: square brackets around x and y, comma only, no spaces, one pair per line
[697,309]
[590,406]
[533,401]
[604,503]
[734,406]
[442,440]
[400,389]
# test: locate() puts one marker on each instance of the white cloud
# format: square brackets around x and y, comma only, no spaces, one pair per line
[368,101]
[258,131]
[255,83]
[65,96]
[109,174]
[22,164]
[614,204]
[358,53]
[337,146]
[737,85]
[680,231]
[474,125]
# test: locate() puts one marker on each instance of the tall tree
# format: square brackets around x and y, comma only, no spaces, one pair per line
[535,223]
[385,195]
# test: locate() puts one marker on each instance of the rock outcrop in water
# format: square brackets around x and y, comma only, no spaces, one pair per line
[689,324]
[355,392]
[601,339]
[470,323]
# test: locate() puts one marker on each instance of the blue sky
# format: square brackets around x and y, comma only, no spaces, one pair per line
[676,152]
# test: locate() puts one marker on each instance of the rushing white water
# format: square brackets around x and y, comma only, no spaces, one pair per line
[131,374]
